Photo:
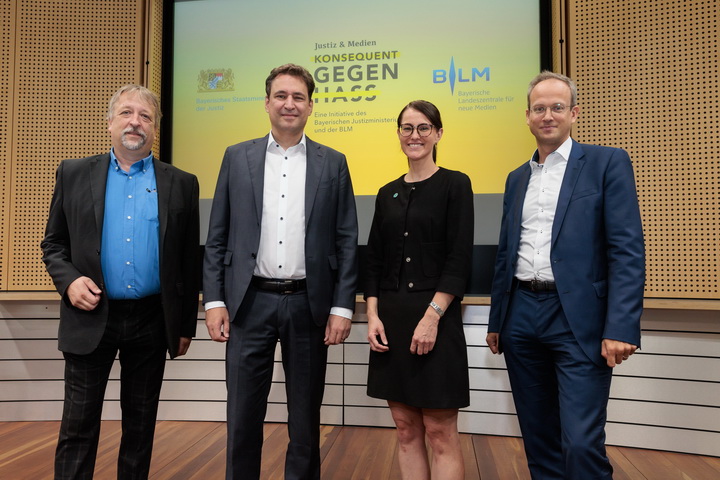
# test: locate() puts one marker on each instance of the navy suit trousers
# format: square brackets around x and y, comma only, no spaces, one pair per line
[560,394]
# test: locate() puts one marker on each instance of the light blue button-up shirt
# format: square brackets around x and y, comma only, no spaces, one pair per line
[130,238]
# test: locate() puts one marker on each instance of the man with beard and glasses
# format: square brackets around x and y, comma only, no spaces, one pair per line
[122,247]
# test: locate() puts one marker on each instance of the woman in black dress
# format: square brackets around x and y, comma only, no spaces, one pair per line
[419,255]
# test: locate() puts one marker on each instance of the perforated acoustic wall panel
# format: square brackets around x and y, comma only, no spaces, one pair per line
[70,57]
[6,75]
[649,77]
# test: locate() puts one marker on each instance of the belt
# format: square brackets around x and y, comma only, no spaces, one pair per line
[279,286]
[537,285]
[145,302]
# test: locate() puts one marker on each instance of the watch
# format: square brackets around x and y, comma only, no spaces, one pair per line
[437,308]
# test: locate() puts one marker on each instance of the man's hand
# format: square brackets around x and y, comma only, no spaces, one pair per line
[615,352]
[217,321]
[84,294]
[337,329]
[493,341]
[183,346]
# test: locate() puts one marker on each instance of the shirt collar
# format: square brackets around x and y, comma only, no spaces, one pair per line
[145,164]
[274,146]
[561,155]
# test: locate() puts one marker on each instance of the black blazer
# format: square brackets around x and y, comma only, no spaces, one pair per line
[425,228]
[73,236]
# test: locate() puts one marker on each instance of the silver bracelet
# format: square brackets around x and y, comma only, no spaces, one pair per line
[437,308]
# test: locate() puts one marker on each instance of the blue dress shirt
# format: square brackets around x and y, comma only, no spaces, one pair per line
[130,235]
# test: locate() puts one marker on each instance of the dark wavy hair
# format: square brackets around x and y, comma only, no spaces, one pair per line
[292,70]
[430,111]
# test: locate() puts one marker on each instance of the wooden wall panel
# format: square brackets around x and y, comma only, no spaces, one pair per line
[69,57]
[154,50]
[559,32]
[648,74]
[667,396]
[7,12]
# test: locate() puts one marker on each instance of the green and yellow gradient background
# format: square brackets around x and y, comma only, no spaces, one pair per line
[251,37]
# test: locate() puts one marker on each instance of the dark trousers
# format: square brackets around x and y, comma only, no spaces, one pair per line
[263,318]
[560,394]
[136,330]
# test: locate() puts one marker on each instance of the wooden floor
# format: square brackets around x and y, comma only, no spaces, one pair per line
[196,450]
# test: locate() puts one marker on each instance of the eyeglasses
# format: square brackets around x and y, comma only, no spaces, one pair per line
[556,109]
[424,129]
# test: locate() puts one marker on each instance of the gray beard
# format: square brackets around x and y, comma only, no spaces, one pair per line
[133,145]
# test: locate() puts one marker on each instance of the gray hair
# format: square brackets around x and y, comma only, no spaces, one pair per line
[146,95]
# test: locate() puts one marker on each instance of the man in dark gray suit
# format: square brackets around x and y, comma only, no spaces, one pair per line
[122,248]
[280,263]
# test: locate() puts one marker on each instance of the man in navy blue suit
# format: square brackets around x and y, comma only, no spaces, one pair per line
[568,287]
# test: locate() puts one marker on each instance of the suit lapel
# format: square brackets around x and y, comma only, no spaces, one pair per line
[576,162]
[256,166]
[98,171]
[518,201]
[163,179]
[314,168]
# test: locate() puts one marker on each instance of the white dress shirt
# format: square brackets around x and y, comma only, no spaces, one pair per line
[281,253]
[539,213]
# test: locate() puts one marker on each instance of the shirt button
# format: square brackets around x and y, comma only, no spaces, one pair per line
[405,234]
[411,285]
[407,259]
[127,263]
[129,217]
[130,177]
[129,286]
[129,196]
[127,239]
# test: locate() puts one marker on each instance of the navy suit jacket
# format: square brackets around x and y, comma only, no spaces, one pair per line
[330,229]
[597,250]
[73,236]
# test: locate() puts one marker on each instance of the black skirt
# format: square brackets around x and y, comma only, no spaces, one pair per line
[436,380]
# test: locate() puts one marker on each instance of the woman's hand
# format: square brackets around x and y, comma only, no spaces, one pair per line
[425,334]
[376,331]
